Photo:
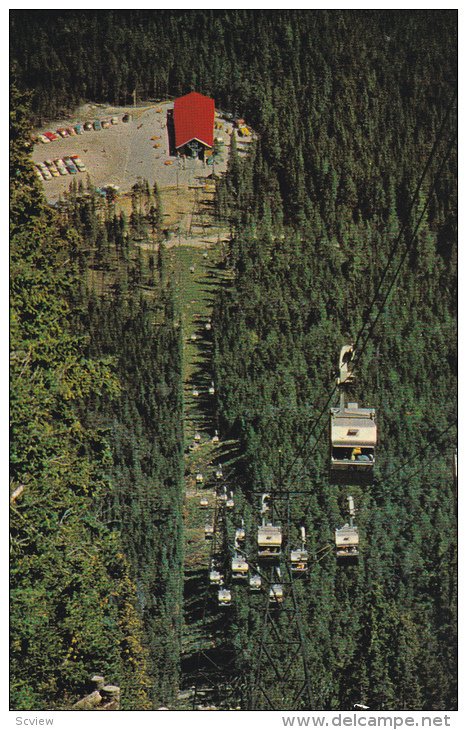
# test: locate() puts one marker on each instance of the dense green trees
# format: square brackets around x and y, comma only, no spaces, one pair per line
[346,106]
[384,631]
[73,603]
[95,454]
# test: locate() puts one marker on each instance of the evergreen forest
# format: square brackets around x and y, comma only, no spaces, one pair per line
[343,228]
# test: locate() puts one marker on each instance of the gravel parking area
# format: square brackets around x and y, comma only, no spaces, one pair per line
[125,152]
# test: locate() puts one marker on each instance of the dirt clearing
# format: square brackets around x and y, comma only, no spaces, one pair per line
[125,152]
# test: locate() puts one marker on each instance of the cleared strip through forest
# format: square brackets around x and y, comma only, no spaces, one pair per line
[198,270]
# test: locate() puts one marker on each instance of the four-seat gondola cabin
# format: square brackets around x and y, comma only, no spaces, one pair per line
[353,442]
[193,120]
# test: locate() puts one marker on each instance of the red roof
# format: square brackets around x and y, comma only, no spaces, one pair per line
[194,119]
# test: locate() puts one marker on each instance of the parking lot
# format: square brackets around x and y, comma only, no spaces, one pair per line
[125,152]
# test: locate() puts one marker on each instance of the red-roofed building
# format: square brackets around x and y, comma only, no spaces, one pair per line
[193,119]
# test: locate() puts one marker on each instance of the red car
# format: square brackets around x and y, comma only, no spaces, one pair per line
[51,136]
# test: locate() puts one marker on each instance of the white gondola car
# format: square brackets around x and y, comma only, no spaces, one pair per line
[276,593]
[212,389]
[224,597]
[215,577]
[255,583]
[298,561]
[240,534]
[299,558]
[230,504]
[347,542]
[207,326]
[215,438]
[204,502]
[269,541]
[194,337]
[208,531]
[219,473]
[197,437]
[222,498]
[195,392]
[199,478]
[353,441]
[265,504]
[239,568]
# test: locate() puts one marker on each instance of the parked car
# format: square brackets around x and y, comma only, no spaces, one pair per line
[61,167]
[105,124]
[38,172]
[50,136]
[97,125]
[78,162]
[71,131]
[62,132]
[45,172]
[114,120]
[42,138]
[70,165]
[52,169]
[87,126]
[79,128]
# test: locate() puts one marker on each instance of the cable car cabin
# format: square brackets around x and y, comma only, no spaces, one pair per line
[215,578]
[255,583]
[208,532]
[347,543]
[197,437]
[199,478]
[219,473]
[222,498]
[215,438]
[353,442]
[269,541]
[224,597]
[240,534]
[239,568]
[276,593]
[230,504]
[204,503]
[298,561]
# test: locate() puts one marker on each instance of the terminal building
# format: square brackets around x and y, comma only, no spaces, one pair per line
[193,125]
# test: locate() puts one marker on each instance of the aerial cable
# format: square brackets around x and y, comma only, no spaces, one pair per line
[412,204]
[406,252]
[299,623]
[419,453]
[359,353]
